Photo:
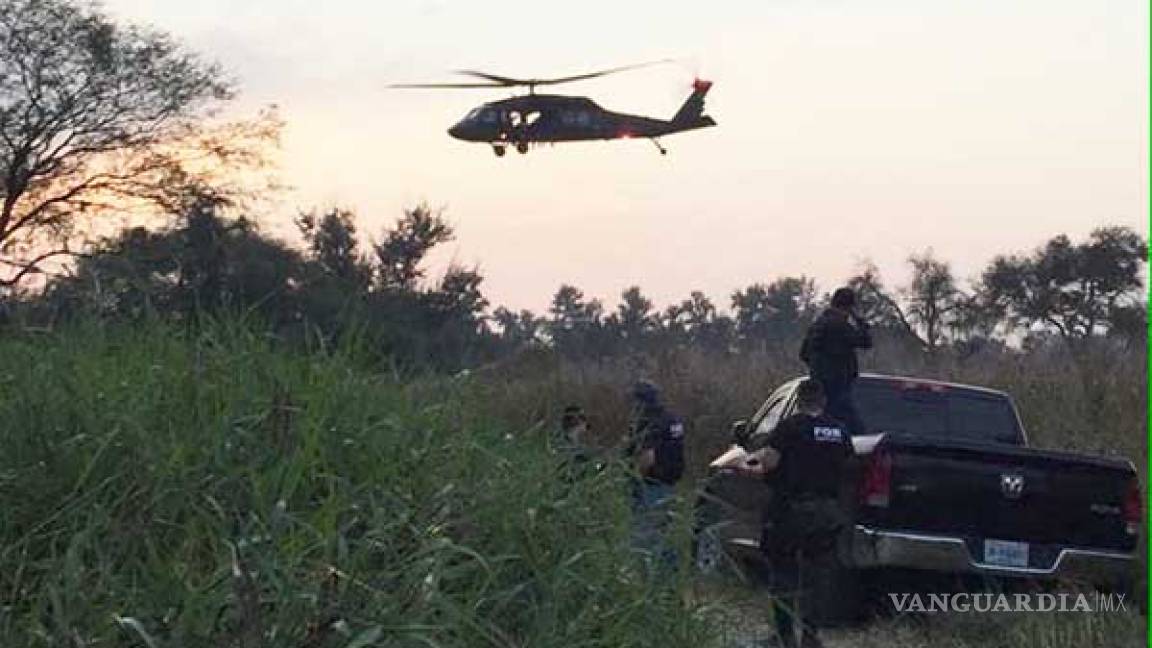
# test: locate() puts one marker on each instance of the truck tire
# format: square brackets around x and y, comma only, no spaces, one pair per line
[708,551]
[719,520]
[709,532]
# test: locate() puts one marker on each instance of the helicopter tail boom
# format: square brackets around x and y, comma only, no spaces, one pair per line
[691,114]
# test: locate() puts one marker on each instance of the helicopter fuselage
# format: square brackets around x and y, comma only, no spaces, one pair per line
[536,118]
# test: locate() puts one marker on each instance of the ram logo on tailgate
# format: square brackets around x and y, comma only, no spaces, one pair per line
[1012,485]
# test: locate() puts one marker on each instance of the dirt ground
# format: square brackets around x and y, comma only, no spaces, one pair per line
[743,619]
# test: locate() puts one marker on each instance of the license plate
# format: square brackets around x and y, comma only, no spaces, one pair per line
[1005,553]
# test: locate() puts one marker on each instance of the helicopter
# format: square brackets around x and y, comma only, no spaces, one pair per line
[530,120]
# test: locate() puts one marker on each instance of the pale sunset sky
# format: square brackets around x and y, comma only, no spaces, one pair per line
[848,130]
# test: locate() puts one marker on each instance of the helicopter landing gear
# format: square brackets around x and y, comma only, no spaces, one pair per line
[663,151]
[522,147]
[498,149]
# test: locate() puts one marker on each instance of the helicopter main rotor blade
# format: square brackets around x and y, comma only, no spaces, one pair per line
[593,75]
[446,85]
[511,81]
[496,79]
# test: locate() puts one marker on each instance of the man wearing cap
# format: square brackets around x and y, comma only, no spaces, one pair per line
[655,447]
[806,459]
[829,350]
[576,460]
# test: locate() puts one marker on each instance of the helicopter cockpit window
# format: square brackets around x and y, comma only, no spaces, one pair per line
[473,115]
[487,116]
[519,119]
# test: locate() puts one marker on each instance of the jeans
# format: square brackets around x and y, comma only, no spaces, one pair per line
[841,407]
[651,519]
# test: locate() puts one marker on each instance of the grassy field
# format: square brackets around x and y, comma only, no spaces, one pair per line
[1097,404]
[160,487]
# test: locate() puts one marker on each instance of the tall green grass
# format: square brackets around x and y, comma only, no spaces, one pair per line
[163,487]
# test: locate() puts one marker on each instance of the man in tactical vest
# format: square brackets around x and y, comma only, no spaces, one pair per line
[655,448]
[805,458]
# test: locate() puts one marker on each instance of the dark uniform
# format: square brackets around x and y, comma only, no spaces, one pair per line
[805,513]
[829,350]
[654,428]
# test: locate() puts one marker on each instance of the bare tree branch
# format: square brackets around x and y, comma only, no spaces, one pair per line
[30,266]
[92,113]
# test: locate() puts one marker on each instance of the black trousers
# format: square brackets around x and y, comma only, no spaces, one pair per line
[801,531]
[786,599]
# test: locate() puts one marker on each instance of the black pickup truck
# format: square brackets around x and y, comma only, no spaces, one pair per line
[943,480]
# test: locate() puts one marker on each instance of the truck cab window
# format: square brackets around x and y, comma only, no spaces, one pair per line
[773,411]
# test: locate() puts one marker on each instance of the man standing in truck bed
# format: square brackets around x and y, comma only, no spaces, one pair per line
[829,350]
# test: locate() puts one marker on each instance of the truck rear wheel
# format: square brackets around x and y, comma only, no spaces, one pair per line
[711,532]
[708,551]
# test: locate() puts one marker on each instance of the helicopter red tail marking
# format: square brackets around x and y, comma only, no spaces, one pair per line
[693,109]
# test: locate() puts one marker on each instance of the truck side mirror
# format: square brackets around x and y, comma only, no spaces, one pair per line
[740,432]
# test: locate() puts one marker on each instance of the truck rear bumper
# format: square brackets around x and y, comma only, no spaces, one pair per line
[874,548]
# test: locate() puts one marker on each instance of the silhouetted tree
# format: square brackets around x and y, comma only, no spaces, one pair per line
[517,329]
[932,300]
[404,247]
[459,298]
[1129,324]
[696,322]
[204,263]
[683,321]
[775,312]
[634,318]
[331,243]
[574,324]
[1076,290]
[718,335]
[453,319]
[96,117]
[873,301]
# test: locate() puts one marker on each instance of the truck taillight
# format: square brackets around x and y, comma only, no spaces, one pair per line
[876,487]
[1134,506]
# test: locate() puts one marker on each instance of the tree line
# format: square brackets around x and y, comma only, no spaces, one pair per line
[207,263]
